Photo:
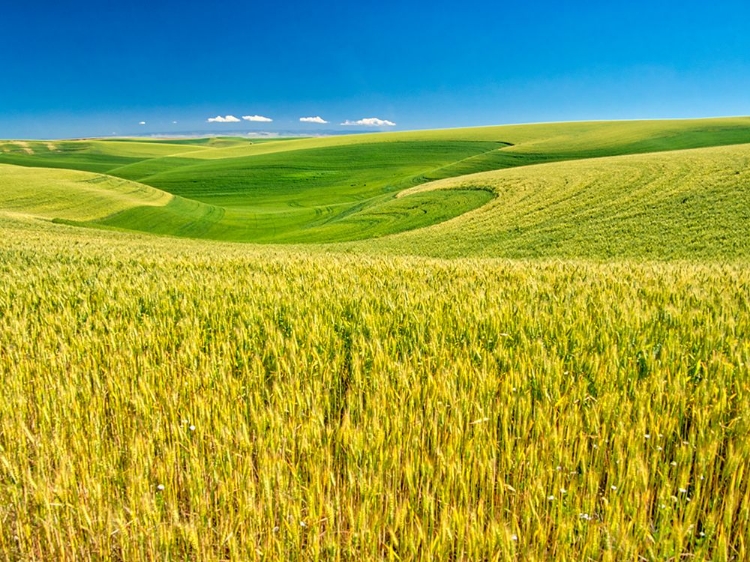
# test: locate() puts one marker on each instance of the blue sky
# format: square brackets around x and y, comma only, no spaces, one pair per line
[92,68]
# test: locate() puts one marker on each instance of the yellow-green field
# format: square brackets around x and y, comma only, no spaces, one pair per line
[560,373]
[687,204]
[348,188]
[67,194]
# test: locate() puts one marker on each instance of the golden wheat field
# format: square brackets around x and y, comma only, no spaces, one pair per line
[170,399]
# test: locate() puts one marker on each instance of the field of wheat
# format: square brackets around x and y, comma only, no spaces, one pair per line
[182,400]
[686,204]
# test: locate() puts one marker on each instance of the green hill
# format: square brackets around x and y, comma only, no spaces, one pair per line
[683,204]
[339,189]
[72,195]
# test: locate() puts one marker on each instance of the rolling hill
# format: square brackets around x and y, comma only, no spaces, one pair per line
[339,189]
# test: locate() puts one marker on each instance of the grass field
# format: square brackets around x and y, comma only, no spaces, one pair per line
[337,189]
[689,204]
[72,195]
[524,343]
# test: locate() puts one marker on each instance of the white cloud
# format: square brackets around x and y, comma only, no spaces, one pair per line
[313,120]
[257,118]
[370,122]
[220,119]
[142,123]
[174,122]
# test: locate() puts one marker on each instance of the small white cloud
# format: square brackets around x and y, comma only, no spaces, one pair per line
[174,122]
[257,118]
[370,122]
[313,120]
[220,119]
[142,123]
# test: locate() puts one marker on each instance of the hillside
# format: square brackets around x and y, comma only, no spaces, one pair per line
[338,189]
[72,195]
[688,204]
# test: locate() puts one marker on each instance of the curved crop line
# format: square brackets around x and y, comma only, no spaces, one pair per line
[394,216]
[485,188]
[688,204]
[455,162]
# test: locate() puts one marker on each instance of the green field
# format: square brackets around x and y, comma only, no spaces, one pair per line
[527,342]
[339,189]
